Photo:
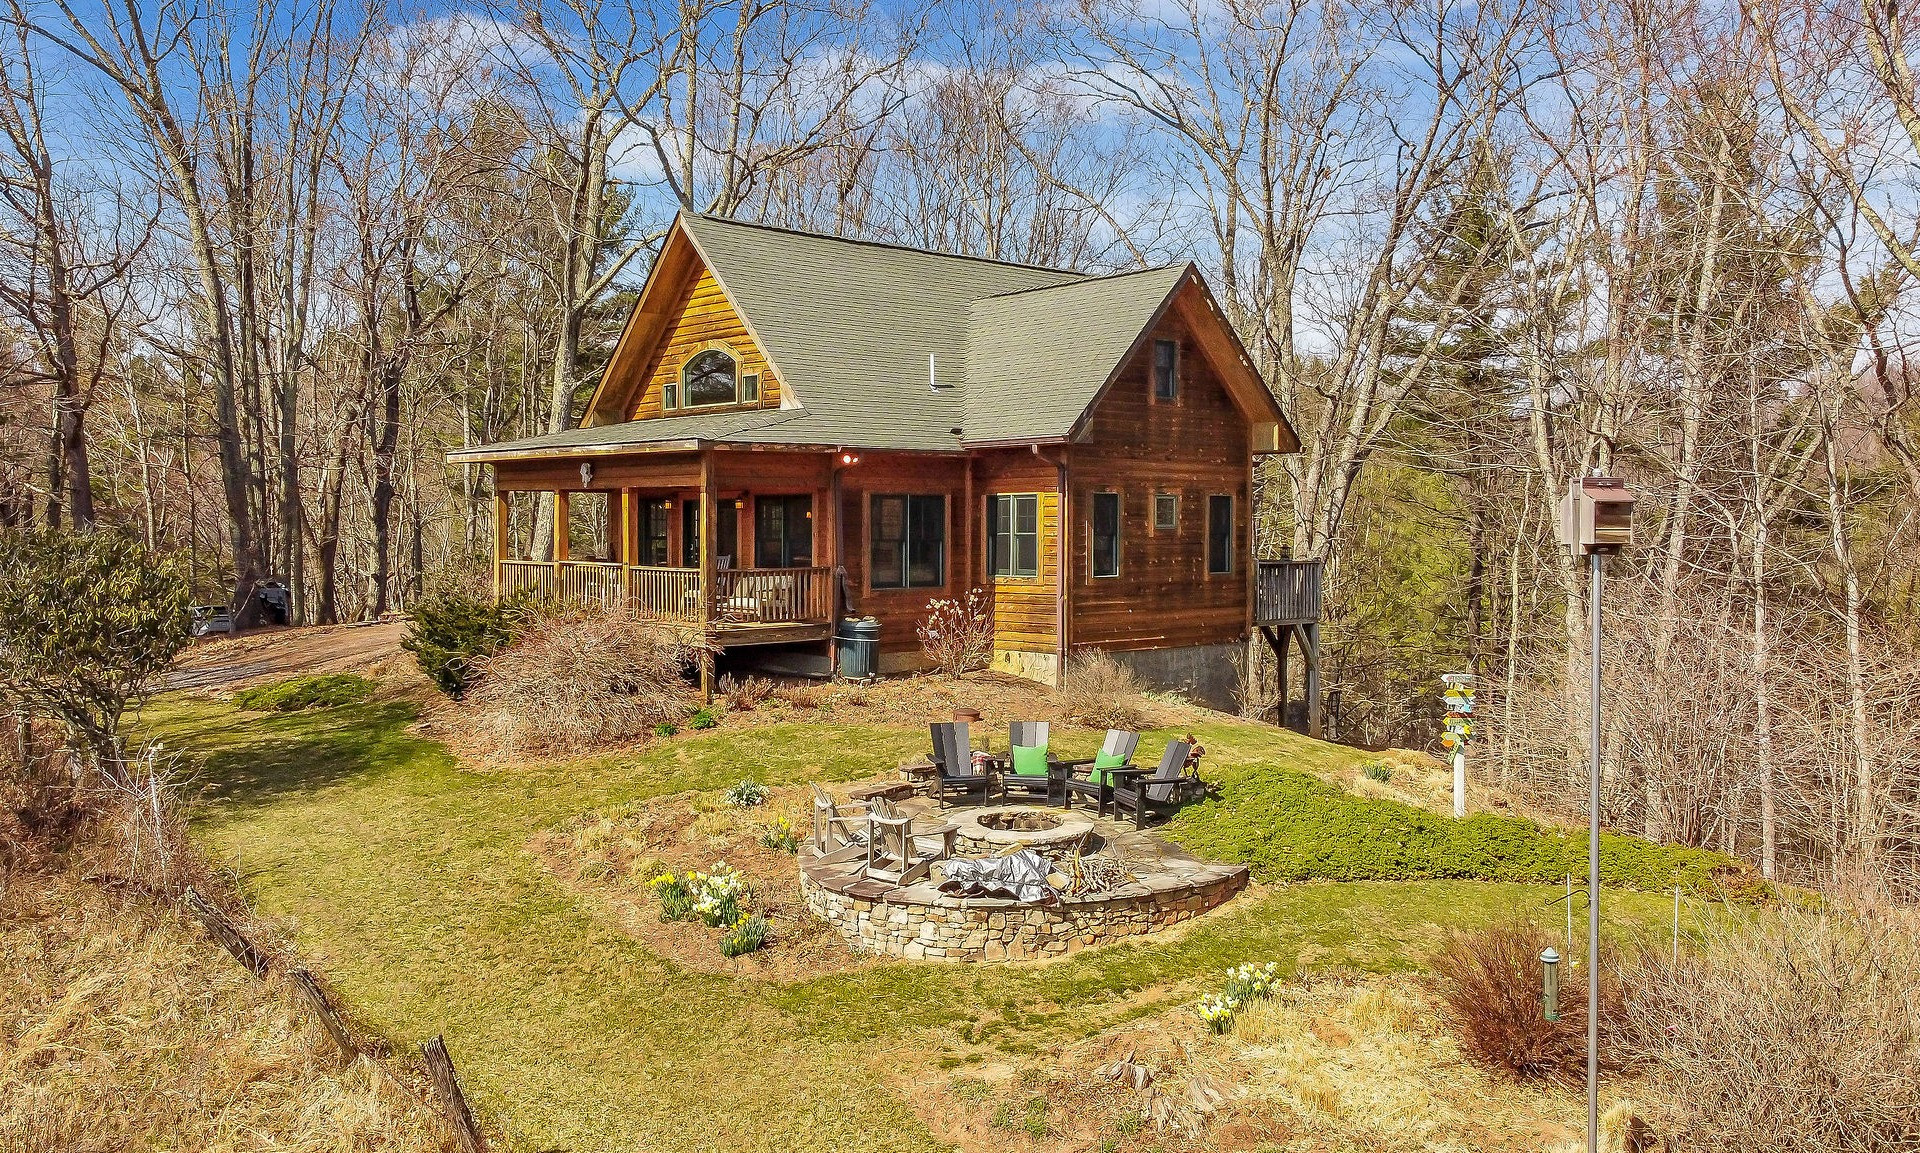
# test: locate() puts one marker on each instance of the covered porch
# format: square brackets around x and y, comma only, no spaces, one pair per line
[737,545]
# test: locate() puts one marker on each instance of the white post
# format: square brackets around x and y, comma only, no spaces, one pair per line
[1460,780]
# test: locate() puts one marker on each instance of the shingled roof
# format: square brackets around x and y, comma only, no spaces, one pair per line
[1017,352]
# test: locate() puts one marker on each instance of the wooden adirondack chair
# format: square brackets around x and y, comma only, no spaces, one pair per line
[1097,784]
[895,853]
[1170,786]
[834,826]
[953,757]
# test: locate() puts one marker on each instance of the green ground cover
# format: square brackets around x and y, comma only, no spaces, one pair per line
[406,880]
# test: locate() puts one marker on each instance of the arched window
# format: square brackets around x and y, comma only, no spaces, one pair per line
[709,377]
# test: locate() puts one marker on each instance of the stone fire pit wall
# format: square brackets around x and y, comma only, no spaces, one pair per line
[921,922]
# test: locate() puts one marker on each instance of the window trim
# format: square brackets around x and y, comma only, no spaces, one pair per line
[1233,533]
[680,377]
[741,390]
[1013,573]
[906,554]
[1153,372]
[1119,533]
[1172,526]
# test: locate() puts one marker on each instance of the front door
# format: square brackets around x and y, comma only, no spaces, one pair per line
[783,531]
[729,534]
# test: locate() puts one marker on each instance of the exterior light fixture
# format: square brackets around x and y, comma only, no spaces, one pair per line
[1596,519]
[1550,988]
[849,458]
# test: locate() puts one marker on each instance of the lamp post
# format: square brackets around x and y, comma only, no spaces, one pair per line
[1596,518]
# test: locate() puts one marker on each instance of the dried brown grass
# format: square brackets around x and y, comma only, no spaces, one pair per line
[581,681]
[1797,1032]
[125,1029]
[1100,692]
[1489,984]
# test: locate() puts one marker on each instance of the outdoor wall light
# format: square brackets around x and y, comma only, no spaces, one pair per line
[849,458]
[1550,992]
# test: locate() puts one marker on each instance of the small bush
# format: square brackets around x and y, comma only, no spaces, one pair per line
[665,729]
[1378,771]
[453,631]
[703,718]
[746,694]
[1100,692]
[780,834]
[747,793]
[803,695]
[1490,984]
[957,635]
[578,681]
[746,935]
[326,691]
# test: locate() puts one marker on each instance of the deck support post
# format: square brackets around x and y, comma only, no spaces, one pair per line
[1310,643]
[709,525]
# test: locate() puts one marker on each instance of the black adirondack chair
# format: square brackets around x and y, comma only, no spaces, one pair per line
[1169,786]
[1096,785]
[1046,784]
[953,757]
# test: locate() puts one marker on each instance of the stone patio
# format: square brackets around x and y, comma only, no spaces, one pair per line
[919,921]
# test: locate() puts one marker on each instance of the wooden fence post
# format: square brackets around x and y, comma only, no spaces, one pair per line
[452,1100]
[329,1018]
[228,934]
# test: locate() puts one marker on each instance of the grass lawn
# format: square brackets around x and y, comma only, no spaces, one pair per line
[407,881]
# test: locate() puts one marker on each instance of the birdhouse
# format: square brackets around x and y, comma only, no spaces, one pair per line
[1597,515]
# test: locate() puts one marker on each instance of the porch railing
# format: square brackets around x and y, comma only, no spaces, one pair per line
[1287,592]
[741,596]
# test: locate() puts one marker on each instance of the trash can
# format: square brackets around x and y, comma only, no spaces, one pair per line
[859,648]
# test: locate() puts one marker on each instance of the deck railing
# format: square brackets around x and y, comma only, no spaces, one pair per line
[741,596]
[1287,592]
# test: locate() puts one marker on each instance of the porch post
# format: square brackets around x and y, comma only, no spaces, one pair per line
[500,511]
[709,525]
[628,554]
[562,526]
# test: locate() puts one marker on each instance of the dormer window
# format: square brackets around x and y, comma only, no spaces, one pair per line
[710,377]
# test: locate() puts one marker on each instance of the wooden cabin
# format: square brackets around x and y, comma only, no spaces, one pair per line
[797,428]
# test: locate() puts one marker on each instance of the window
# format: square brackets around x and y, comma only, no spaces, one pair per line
[783,531]
[1013,539]
[1166,370]
[670,395]
[709,377]
[1219,534]
[1166,511]
[1106,534]
[750,388]
[907,542]
[655,515]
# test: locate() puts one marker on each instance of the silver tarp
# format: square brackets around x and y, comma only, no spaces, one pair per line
[1021,876]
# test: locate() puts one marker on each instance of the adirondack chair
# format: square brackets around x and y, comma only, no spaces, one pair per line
[1170,786]
[1116,752]
[895,852]
[839,828]
[1027,770]
[953,757]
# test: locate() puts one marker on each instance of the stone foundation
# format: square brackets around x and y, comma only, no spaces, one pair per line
[918,921]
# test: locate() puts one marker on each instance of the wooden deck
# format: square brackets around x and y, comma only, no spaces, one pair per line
[754,606]
[1287,592]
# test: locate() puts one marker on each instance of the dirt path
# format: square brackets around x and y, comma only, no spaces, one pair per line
[278,653]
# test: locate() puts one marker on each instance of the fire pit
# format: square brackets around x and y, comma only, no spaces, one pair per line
[984,832]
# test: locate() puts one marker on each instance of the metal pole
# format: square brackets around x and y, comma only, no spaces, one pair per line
[1593,871]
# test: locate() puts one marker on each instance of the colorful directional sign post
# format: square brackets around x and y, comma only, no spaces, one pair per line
[1458,697]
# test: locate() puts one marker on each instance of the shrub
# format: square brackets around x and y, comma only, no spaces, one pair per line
[746,694]
[1490,984]
[665,729]
[576,681]
[780,834]
[1290,826]
[746,935]
[1245,985]
[89,623]
[703,718]
[747,793]
[1378,771]
[1795,1032]
[326,691]
[1100,692]
[957,634]
[453,632]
